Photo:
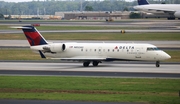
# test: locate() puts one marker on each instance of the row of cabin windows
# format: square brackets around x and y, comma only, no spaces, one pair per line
[108,50]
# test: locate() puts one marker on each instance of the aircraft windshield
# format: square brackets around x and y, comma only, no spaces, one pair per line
[152,49]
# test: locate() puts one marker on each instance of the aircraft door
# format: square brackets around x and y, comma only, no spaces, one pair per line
[138,52]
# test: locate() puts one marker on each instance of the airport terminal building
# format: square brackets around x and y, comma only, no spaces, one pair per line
[85,15]
[93,15]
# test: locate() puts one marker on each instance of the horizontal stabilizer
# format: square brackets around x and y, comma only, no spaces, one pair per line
[21,27]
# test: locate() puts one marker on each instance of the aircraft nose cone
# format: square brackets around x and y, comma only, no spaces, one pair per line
[165,56]
[168,56]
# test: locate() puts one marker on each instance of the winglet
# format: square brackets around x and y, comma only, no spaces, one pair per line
[42,55]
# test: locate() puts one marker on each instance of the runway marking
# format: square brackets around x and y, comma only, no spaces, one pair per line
[103,67]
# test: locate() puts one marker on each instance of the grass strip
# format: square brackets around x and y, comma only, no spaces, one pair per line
[27,54]
[86,28]
[18,54]
[99,36]
[175,56]
[163,91]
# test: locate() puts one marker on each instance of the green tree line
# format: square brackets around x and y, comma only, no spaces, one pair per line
[49,7]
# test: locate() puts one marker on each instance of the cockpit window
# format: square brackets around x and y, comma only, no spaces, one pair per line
[152,49]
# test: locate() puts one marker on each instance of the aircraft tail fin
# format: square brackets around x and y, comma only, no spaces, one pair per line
[33,36]
[143,2]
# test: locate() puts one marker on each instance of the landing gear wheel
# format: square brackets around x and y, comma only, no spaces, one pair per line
[86,64]
[171,18]
[95,63]
[157,64]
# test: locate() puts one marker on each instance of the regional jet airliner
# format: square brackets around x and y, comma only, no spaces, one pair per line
[94,53]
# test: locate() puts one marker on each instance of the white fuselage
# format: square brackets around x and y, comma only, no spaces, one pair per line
[111,51]
[160,8]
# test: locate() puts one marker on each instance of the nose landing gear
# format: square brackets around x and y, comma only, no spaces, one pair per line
[157,64]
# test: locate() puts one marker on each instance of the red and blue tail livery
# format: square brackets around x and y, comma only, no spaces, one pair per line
[33,36]
[142,2]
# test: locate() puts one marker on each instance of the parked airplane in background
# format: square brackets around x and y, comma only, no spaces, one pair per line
[94,53]
[173,10]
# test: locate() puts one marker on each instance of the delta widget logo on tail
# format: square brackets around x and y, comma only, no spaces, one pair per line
[33,36]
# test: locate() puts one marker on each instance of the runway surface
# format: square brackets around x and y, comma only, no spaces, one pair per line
[106,69]
[150,23]
[58,102]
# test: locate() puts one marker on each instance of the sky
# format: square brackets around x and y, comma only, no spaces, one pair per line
[16,0]
[29,0]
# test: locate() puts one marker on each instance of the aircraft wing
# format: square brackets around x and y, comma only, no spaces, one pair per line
[163,10]
[84,58]
[92,58]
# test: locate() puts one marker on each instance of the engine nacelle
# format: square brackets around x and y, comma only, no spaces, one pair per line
[177,14]
[57,47]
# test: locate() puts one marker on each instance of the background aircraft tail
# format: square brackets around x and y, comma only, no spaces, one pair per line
[33,36]
[143,2]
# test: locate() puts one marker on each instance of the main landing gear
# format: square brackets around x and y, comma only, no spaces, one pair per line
[157,64]
[171,18]
[95,63]
[86,64]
